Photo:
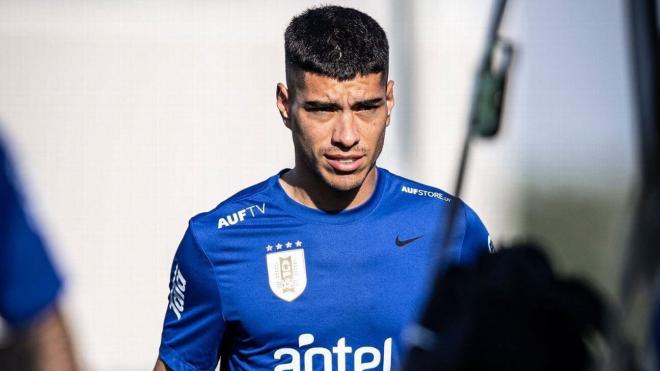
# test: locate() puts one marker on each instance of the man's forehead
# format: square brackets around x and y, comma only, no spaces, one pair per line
[320,86]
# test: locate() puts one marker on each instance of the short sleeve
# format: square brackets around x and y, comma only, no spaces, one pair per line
[29,283]
[194,325]
[476,239]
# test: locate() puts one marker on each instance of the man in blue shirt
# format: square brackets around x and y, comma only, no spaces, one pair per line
[29,288]
[319,267]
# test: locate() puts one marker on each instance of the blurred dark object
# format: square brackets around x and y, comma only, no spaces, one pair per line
[489,103]
[643,259]
[640,271]
[490,84]
[509,312]
[18,354]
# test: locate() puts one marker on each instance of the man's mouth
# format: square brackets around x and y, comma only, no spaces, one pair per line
[345,163]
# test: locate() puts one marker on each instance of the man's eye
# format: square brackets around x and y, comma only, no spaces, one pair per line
[367,108]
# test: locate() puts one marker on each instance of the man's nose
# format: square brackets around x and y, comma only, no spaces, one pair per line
[345,134]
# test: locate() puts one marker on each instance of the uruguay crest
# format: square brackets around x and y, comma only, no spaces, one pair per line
[287,275]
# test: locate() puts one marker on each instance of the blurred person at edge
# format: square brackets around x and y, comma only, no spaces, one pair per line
[319,267]
[33,333]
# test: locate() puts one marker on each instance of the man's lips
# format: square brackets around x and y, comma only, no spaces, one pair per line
[345,163]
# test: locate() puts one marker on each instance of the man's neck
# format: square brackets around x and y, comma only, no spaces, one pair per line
[311,191]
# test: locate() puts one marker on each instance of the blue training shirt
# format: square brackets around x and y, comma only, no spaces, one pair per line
[266,283]
[29,283]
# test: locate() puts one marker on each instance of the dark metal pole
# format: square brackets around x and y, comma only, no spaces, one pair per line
[486,107]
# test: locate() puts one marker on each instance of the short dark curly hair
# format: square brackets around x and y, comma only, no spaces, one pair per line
[336,42]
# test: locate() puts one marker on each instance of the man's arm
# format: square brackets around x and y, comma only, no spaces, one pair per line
[50,343]
[42,345]
[161,366]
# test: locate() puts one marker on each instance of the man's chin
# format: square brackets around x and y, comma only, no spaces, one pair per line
[344,182]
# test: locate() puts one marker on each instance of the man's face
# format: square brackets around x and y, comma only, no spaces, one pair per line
[338,127]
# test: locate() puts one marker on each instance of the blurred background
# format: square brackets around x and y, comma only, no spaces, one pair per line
[126,118]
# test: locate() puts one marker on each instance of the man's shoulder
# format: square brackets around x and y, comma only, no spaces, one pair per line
[414,191]
[415,194]
[249,200]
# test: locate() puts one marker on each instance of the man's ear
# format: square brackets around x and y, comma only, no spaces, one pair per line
[283,103]
[389,99]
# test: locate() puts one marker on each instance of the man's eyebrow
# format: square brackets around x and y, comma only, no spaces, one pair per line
[314,104]
[319,105]
[368,103]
